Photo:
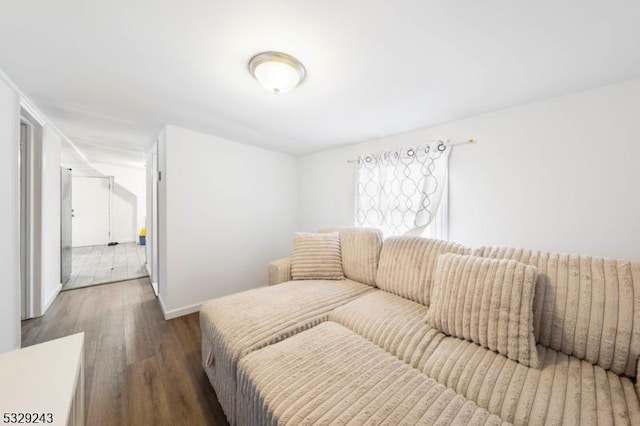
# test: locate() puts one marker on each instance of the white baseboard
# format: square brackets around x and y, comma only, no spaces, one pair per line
[175,313]
[49,301]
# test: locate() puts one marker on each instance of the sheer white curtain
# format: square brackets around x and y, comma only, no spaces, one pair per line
[405,191]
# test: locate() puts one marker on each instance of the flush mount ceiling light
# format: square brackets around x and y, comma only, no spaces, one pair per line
[277,72]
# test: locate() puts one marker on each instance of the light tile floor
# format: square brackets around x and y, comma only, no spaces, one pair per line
[103,264]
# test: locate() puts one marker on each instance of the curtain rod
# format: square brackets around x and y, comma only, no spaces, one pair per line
[467,142]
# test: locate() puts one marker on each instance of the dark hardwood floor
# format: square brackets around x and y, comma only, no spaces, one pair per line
[139,368]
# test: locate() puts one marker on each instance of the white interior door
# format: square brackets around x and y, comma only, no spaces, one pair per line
[91,210]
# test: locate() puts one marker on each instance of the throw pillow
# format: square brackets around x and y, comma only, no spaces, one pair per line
[316,257]
[486,301]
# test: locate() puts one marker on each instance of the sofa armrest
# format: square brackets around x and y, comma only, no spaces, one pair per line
[280,271]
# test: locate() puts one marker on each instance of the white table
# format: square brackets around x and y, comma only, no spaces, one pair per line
[45,379]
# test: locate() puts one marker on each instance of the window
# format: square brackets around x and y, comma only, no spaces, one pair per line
[405,191]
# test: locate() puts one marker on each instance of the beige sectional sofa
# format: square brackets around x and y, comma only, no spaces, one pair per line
[361,351]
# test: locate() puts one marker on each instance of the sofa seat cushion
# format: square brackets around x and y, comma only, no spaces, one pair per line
[236,325]
[330,375]
[565,391]
[395,324]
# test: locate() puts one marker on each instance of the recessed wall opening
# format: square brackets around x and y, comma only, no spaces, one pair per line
[30,166]
[105,242]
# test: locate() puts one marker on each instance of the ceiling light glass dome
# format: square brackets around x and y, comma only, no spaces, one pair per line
[277,72]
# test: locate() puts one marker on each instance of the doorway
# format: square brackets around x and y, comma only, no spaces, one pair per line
[104,220]
[30,166]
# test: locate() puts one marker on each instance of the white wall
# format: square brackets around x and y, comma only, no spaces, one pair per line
[50,268]
[130,187]
[128,203]
[229,209]
[559,175]
[9,219]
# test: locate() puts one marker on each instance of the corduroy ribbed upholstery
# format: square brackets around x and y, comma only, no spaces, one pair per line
[486,301]
[330,375]
[280,271]
[329,352]
[638,381]
[395,324]
[360,249]
[565,391]
[407,265]
[238,324]
[316,257]
[222,379]
[584,306]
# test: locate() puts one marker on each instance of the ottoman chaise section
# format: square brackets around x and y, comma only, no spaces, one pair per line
[331,375]
[236,325]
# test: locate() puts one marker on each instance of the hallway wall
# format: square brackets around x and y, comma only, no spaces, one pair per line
[130,199]
[11,99]
[50,217]
[9,220]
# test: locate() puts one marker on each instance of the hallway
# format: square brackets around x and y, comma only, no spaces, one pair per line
[103,264]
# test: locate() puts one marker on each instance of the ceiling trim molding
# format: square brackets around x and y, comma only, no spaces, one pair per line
[37,114]
[27,103]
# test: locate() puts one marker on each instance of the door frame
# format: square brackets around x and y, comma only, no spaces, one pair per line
[152,251]
[30,213]
[66,224]
[154,220]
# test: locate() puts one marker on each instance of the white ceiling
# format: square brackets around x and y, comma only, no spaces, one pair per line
[112,73]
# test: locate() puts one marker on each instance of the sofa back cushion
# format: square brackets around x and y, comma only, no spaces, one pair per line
[584,306]
[407,265]
[360,248]
[316,257]
[486,301]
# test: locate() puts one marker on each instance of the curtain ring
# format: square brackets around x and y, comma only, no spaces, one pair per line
[410,153]
[367,159]
[442,147]
[427,149]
